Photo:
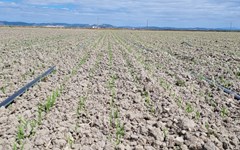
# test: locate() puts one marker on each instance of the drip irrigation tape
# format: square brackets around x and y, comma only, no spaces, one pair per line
[228,91]
[11,98]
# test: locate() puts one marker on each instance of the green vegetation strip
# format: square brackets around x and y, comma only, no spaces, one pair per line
[114,115]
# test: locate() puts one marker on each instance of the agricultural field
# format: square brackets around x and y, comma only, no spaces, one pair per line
[119,89]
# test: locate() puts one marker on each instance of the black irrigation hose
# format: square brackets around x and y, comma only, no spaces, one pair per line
[228,91]
[11,98]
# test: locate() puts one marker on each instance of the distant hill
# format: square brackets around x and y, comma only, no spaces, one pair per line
[66,25]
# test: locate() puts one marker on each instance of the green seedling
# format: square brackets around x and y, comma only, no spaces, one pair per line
[147,98]
[51,100]
[22,146]
[21,130]
[165,133]
[197,116]
[83,60]
[111,119]
[54,71]
[173,94]
[213,102]
[15,146]
[129,49]
[81,104]
[119,132]
[94,46]
[3,89]
[55,95]
[207,126]
[48,104]
[74,72]
[110,54]
[209,131]
[148,102]
[179,102]
[33,124]
[111,83]
[164,84]
[61,89]
[76,126]
[146,66]
[70,141]
[39,118]
[224,112]
[238,74]
[189,108]
[115,114]
[33,72]
[225,82]
[23,121]
[180,82]
[20,134]
[152,110]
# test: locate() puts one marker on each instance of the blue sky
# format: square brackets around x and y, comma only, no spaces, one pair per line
[172,13]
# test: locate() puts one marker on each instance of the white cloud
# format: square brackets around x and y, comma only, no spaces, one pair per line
[48,2]
[128,12]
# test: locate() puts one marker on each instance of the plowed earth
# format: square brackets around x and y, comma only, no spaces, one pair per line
[119,89]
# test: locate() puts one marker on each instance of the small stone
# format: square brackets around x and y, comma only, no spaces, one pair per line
[210,146]
[61,129]
[183,132]
[134,137]
[179,140]
[101,144]
[197,134]
[225,145]
[175,120]
[139,147]
[133,143]
[3,119]
[61,142]
[169,124]
[39,141]
[234,141]
[149,148]
[28,144]
[187,124]
[85,147]
[143,130]
[184,147]
[76,146]
[170,141]
[127,147]
[193,142]
[156,133]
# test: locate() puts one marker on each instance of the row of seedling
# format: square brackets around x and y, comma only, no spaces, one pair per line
[81,106]
[163,83]
[147,98]
[42,110]
[188,107]
[208,96]
[114,115]
[82,100]
[24,126]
